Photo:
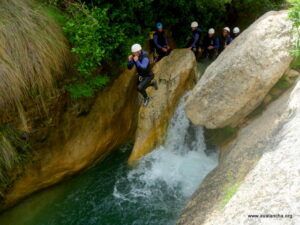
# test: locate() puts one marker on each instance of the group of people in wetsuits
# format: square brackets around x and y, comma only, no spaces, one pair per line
[211,45]
[208,47]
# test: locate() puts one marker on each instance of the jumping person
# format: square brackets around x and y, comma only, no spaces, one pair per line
[196,38]
[161,42]
[236,32]
[225,39]
[140,60]
[211,44]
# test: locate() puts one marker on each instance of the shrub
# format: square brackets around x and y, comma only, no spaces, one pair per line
[88,88]
[102,30]
[294,15]
[93,40]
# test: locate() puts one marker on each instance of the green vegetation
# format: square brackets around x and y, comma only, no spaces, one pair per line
[88,88]
[296,63]
[294,15]
[230,189]
[55,13]
[102,31]
[33,52]
[220,136]
[258,111]
[229,193]
[14,151]
[283,83]
[94,40]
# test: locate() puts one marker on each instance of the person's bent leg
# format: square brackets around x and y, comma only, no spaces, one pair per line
[161,54]
[141,88]
[144,84]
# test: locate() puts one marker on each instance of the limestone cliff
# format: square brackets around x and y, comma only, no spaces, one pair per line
[175,75]
[239,79]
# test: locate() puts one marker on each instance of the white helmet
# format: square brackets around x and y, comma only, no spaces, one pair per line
[211,31]
[136,48]
[236,30]
[227,29]
[194,24]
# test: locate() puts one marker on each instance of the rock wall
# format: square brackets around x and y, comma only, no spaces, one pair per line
[259,173]
[81,141]
[175,75]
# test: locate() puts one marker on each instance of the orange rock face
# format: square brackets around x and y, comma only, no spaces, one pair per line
[175,75]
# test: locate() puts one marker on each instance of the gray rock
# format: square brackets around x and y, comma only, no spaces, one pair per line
[237,82]
[259,173]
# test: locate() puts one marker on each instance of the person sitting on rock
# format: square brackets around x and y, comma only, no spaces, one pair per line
[211,45]
[152,50]
[161,43]
[140,60]
[225,39]
[196,38]
[236,32]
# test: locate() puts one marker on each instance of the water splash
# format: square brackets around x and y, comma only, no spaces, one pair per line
[111,193]
[173,170]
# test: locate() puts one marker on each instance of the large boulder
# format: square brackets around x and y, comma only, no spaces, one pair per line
[258,173]
[78,142]
[175,75]
[239,79]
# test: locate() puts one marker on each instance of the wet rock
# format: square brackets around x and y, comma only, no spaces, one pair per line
[175,75]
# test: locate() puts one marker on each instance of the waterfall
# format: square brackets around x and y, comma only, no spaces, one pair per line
[111,193]
[171,172]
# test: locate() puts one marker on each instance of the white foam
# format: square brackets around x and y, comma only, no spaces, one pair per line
[180,164]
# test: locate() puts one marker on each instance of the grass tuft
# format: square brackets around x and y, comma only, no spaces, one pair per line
[33,54]
[229,193]
[14,148]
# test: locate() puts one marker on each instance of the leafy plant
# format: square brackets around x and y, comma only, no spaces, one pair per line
[102,31]
[92,37]
[294,15]
[93,40]
[88,88]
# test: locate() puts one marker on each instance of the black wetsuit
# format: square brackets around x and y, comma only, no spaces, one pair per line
[145,75]
[160,41]
[211,41]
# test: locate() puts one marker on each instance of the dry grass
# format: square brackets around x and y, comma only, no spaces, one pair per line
[33,54]
[13,151]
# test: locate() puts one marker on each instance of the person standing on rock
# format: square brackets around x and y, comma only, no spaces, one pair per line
[161,42]
[211,45]
[236,32]
[196,38]
[140,60]
[225,39]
